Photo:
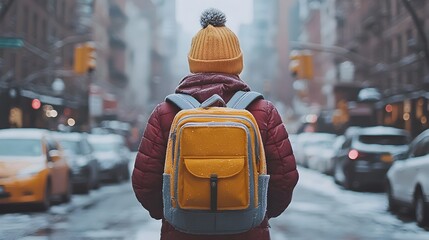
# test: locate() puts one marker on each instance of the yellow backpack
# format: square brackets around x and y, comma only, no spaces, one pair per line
[215,179]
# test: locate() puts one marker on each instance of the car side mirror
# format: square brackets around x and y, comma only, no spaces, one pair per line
[54,155]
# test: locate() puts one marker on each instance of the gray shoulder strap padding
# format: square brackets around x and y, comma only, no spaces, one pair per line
[183,101]
[242,99]
[212,100]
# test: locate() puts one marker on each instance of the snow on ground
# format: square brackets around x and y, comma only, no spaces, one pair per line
[368,204]
[15,225]
[151,230]
[11,224]
[371,206]
[325,185]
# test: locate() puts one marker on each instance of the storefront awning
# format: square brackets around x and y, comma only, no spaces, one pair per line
[402,97]
[46,99]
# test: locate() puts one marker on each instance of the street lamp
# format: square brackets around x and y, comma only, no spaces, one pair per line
[58,86]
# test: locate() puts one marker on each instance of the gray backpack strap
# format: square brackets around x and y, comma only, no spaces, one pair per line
[242,99]
[183,101]
[212,100]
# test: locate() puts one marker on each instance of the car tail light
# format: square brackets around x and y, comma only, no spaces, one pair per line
[353,154]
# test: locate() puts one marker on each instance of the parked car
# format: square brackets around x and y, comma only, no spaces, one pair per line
[298,147]
[113,155]
[33,168]
[322,157]
[367,154]
[408,180]
[85,167]
[317,150]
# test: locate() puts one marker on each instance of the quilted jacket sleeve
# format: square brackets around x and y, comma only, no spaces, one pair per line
[149,166]
[280,163]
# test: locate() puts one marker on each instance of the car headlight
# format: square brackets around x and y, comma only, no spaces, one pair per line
[29,172]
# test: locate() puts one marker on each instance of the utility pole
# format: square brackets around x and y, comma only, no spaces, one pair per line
[420,29]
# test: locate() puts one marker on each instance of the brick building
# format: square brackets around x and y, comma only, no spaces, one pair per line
[109,81]
[47,28]
[385,35]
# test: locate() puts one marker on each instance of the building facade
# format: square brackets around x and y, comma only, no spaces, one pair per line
[391,42]
[41,70]
[364,46]
[261,57]
[109,81]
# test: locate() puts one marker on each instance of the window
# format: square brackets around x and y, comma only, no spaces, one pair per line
[347,143]
[394,140]
[420,148]
[426,146]
[20,147]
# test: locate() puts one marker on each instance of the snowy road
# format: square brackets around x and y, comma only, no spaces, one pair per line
[320,210]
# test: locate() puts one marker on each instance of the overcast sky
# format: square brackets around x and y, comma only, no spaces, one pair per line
[237,12]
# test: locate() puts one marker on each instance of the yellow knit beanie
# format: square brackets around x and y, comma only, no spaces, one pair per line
[215,48]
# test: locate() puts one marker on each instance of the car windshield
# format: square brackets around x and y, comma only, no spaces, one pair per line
[383,139]
[20,147]
[71,146]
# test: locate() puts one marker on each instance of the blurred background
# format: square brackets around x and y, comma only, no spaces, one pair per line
[336,63]
[350,79]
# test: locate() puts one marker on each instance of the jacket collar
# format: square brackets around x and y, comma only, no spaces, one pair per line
[203,85]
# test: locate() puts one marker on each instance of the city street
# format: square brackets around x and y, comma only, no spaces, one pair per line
[319,210]
[203,89]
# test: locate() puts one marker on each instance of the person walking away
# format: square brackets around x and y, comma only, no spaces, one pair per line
[215,62]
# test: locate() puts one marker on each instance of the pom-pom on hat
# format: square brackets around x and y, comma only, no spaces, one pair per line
[215,48]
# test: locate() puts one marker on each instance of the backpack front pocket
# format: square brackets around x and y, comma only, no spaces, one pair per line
[214,184]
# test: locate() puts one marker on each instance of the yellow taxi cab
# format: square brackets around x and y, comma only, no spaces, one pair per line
[33,168]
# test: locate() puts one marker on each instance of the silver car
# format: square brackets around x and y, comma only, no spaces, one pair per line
[408,180]
[84,165]
[113,155]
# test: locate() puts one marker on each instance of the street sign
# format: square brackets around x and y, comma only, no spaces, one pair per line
[9,42]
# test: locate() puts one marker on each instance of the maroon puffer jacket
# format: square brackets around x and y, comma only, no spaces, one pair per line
[149,165]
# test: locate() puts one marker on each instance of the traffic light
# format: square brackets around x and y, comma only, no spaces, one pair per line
[78,64]
[84,58]
[90,56]
[301,64]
